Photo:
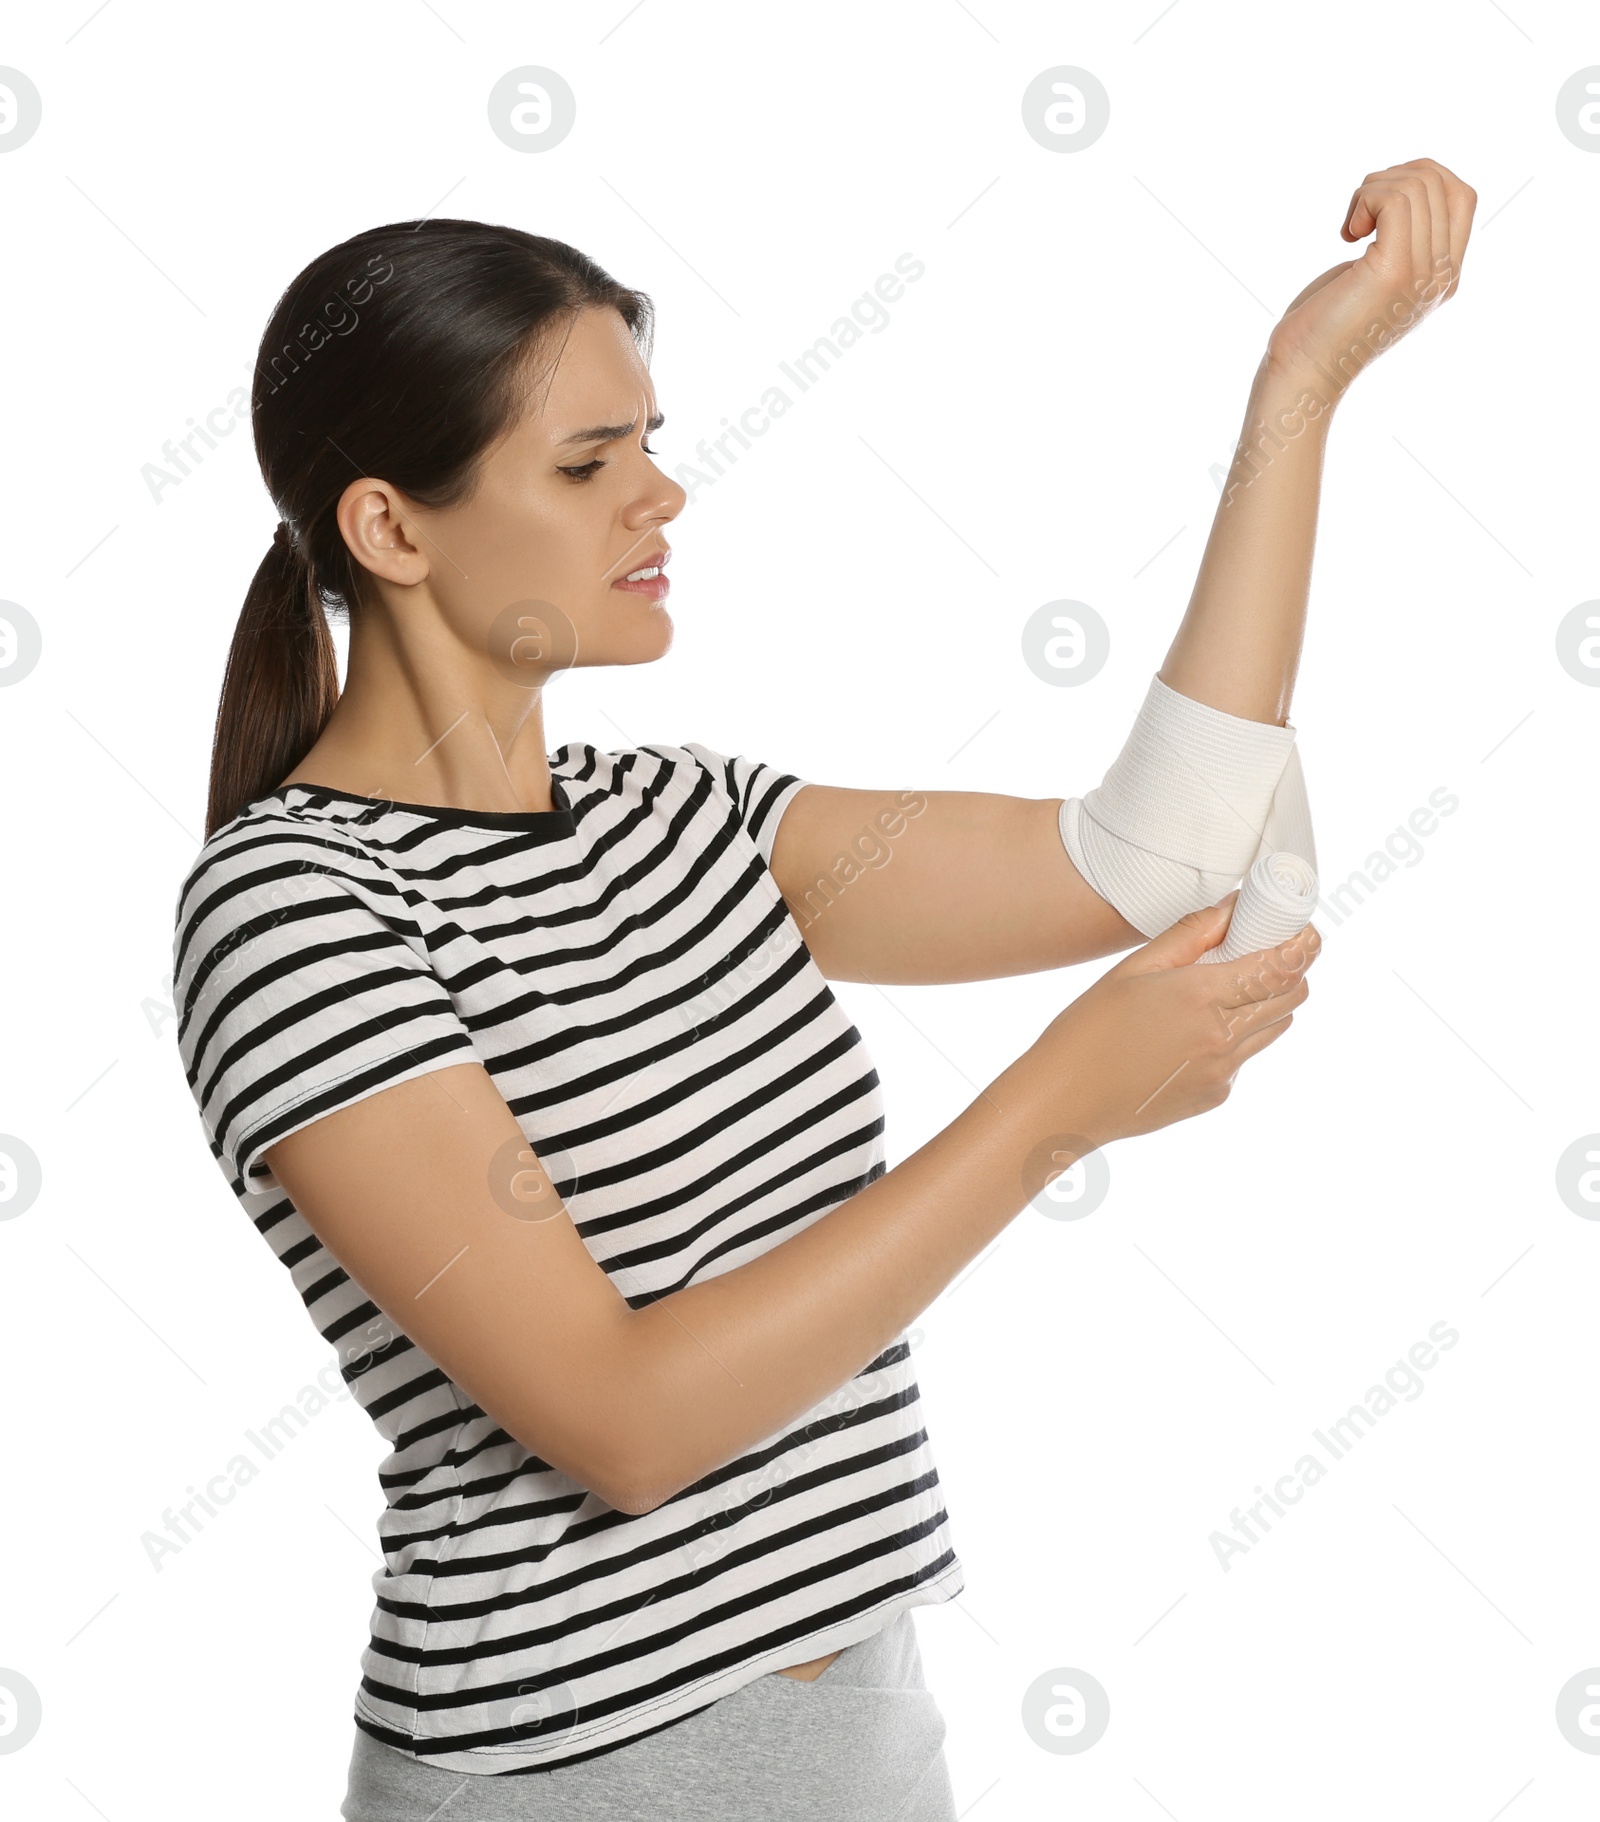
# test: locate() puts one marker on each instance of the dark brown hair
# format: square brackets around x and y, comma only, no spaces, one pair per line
[403,353]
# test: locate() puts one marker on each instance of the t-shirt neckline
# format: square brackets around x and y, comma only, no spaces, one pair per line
[551,824]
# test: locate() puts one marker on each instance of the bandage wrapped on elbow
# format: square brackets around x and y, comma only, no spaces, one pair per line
[1195,799]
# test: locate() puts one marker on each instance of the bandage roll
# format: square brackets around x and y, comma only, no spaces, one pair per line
[1275,902]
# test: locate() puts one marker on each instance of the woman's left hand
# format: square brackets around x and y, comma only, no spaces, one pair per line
[1349,315]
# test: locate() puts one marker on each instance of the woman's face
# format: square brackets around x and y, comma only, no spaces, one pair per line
[565,507]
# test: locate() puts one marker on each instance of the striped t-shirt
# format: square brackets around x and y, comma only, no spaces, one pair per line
[626,969]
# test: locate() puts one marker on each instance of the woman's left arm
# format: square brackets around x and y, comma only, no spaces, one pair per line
[905,886]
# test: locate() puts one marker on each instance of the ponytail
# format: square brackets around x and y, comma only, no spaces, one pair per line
[280,685]
[406,353]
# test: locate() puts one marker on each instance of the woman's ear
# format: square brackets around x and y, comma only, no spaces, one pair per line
[382,535]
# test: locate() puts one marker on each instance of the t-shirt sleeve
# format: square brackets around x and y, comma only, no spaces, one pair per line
[300,988]
[759,793]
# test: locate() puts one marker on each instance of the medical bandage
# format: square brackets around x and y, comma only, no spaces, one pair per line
[1194,799]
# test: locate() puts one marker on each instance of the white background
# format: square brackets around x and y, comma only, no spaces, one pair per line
[1040,419]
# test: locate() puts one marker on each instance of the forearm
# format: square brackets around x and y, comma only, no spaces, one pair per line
[1238,647]
[717,1367]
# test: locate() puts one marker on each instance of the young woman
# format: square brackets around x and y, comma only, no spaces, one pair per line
[522,1066]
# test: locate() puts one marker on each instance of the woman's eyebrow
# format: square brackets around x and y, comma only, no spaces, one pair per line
[608,433]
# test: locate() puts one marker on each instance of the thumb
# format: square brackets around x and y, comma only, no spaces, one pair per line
[1189,938]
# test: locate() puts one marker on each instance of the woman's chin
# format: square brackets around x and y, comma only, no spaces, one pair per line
[655,635]
[648,639]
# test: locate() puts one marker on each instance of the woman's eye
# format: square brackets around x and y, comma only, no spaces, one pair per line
[587,469]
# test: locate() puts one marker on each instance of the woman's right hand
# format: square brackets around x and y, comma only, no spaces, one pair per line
[1158,1038]
[1361,307]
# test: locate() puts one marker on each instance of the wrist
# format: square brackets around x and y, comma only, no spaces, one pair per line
[1286,420]
[1055,1105]
[1295,384]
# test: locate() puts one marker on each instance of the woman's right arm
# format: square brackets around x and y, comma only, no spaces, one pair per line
[426,1195]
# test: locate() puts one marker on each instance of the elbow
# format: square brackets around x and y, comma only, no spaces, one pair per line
[627,1476]
[635,1467]
[636,1493]
[619,1488]
[636,1482]
[628,1459]
[635,1504]
[641,1478]
[615,1476]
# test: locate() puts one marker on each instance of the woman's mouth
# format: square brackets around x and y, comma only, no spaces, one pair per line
[648,579]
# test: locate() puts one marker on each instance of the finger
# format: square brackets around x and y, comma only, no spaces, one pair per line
[1265,972]
[1182,943]
[1259,1040]
[1299,951]
[1240,1022]
[1248,996]
[1460,204]
[1390,210]
[1451,205]
[1362,215]
[1405,180]
[1413,176]
[1463,206]
[1436,268]
[1241,987]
